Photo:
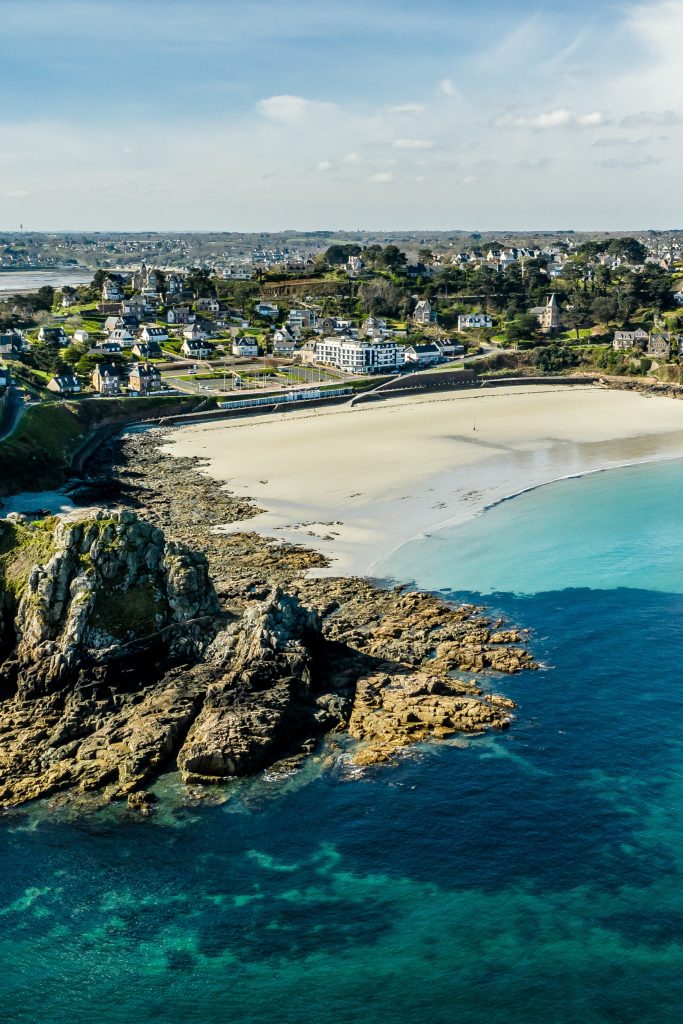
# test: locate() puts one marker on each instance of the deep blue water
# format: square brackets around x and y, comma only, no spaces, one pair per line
[531,876]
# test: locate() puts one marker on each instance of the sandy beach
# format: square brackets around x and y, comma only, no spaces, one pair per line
[356,483]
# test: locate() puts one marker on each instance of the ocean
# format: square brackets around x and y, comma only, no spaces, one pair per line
[518,878]
[14,281]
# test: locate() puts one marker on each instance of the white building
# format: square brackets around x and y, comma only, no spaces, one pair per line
[245,347]
[472,320]
[233,273]
[354,356]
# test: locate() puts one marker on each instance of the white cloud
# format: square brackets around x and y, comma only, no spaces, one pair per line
[408,110]
[562,117]
[419,178]
[289,109]
[18,193]
[590,120]
[352,158]
[447,87]
[381,178]
[552,119]
[324,165]
[414,144]
[469,179]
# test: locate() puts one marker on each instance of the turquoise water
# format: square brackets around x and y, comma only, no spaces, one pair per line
[532,876]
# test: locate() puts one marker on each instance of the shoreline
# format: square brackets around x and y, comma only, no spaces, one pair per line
[459,520]
[465,453]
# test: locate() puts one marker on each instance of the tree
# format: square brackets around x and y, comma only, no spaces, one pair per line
[425,256]
[337,255]
[379,297]
[392,258]
[522,328]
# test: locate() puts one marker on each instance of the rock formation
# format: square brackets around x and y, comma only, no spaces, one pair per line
[118,661]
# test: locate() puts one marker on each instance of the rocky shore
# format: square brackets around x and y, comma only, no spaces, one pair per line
[135,639]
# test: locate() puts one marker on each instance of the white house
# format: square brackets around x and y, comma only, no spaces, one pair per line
[245,347]
[197,348]
[678,297]
[157,334]
[193,332]
[422,354]
[472,320]
[354,356]
[122,336]
[236,273]
[81,336]
[207,305]
[284,347]
[111,291]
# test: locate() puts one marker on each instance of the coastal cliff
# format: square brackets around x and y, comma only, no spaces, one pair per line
[120,659]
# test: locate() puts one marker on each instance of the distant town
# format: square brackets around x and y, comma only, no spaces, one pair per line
[211,315]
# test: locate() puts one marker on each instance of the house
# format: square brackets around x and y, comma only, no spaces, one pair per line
[301,318]
[234,273]
[180,315]
[129,321]
[53,335]
[69,298]
[284,347]
[548,316]
[193,332]
[197,348]
[122,336]
[422,314]
[144,378]
[625,340]
[147,350]
[266,309]
[65,384]
[112,290]
[326,325]
[105,379]
[374,327]
[287,333]
[81,336]
[109,346]
[678,297]
[354,356]
[11,344]
[207,305]
[174,285]
[471,321]
[659,345]
[134,306]
[157,334]
[354,266]
[449,349]
[245,347]
[423,355]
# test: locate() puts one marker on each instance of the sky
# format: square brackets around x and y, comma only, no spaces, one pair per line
[266,115]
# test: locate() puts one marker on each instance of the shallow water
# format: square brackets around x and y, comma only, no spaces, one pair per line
[530,876]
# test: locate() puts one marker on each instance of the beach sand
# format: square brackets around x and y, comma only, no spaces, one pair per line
[356,483]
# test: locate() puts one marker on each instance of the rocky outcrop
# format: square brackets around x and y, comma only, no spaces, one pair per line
[260,707]
[112,580]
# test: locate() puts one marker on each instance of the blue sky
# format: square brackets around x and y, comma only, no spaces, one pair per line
[214,114]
